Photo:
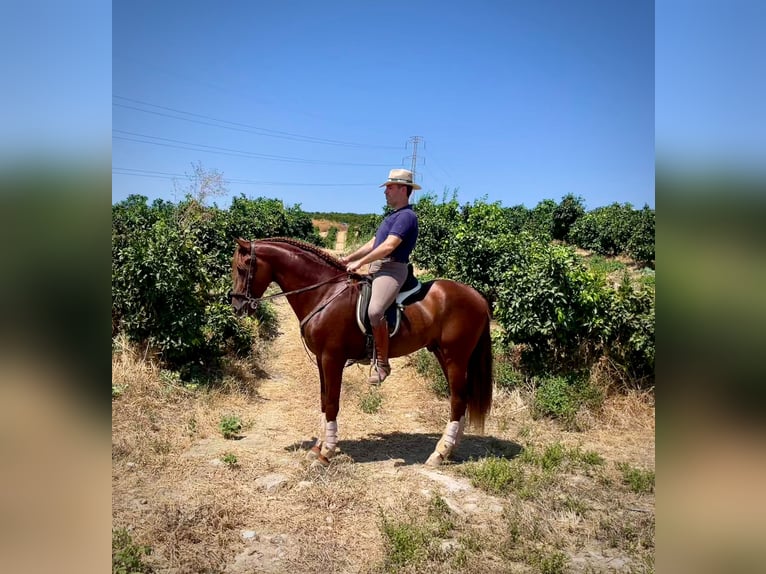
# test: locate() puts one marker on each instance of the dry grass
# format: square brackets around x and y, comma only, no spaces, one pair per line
[172,492]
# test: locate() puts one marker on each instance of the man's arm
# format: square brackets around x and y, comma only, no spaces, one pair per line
[383,250]
[361,252]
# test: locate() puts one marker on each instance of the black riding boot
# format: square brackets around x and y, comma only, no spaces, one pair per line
[380,367]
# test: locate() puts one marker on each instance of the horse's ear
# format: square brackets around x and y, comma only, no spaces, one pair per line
[243,243]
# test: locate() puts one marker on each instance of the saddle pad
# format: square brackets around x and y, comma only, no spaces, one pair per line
[393,313]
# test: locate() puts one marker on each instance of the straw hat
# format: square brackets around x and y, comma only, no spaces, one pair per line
[401,177]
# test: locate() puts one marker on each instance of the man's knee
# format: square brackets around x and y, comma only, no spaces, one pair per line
[377,316]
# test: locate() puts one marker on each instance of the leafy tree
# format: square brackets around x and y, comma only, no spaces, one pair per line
[605,230]
[566,213]
[436,231]
[640,245]
[540,220]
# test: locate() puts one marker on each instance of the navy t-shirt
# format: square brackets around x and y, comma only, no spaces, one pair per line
[404,224]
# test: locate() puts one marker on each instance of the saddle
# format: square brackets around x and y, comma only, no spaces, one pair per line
[411,292]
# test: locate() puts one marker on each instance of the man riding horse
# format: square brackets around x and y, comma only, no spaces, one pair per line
[388,252]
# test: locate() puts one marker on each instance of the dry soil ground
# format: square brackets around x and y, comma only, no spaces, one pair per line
[376,508]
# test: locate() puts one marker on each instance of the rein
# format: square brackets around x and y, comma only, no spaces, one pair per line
[302,289]
[253,301]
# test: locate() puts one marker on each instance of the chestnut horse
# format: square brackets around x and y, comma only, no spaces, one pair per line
[452,321]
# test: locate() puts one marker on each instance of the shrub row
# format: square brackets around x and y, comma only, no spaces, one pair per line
[552,308]
[171,270]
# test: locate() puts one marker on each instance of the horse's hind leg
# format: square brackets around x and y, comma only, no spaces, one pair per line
[456,374]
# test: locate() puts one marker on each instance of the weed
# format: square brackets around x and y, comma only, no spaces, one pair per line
[406,543]
[411,542]
[170,377]
[553,456]
[552,563]
[230,426]
[229,459]
[494,475]
[573,505]
[191,426]
[117,390]
[506,376]
[633,533]
[638,480]
[371,402]
[603,266]
[440,516]
[590,458]
[127,556]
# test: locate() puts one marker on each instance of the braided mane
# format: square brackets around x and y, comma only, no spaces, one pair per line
[331,259]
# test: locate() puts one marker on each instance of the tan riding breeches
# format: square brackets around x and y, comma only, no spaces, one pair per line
[388,278]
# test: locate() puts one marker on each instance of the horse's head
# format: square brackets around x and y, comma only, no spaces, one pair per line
[249,278]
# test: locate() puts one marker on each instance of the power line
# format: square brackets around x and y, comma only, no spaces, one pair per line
[179,144]
[236,126]
[170,176]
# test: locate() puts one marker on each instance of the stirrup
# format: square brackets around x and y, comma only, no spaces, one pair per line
[350,362]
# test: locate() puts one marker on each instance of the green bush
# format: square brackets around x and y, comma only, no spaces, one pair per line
[332,238]
[436,223]
[371,402]
[562,396]
[171,270]
[506,376]
[565,215]
[640,246]
[164,295]
[616,229]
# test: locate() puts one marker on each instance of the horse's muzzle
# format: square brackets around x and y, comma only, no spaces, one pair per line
[241,303]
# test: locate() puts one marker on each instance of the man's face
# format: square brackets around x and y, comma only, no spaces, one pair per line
[395,192]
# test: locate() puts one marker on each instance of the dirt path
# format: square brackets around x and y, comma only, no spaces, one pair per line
[340,240]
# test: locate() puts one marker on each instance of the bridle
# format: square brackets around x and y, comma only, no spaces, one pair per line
[247,299]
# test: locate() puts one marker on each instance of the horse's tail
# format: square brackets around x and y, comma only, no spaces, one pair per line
[480,381]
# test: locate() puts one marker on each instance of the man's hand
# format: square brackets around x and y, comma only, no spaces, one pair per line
[353,266]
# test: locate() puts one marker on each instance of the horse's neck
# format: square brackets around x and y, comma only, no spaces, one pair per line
[294,270]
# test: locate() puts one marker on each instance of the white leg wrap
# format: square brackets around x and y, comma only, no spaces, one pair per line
[330,439]
[447,441]
[451,432]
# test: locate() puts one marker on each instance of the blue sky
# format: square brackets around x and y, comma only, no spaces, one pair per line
[313,102]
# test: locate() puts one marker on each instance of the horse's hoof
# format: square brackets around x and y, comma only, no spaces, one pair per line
[321,462]
[313,453]
[435,459]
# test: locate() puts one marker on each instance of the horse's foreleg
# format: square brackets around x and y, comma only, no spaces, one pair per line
[331,375]
[316,450]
